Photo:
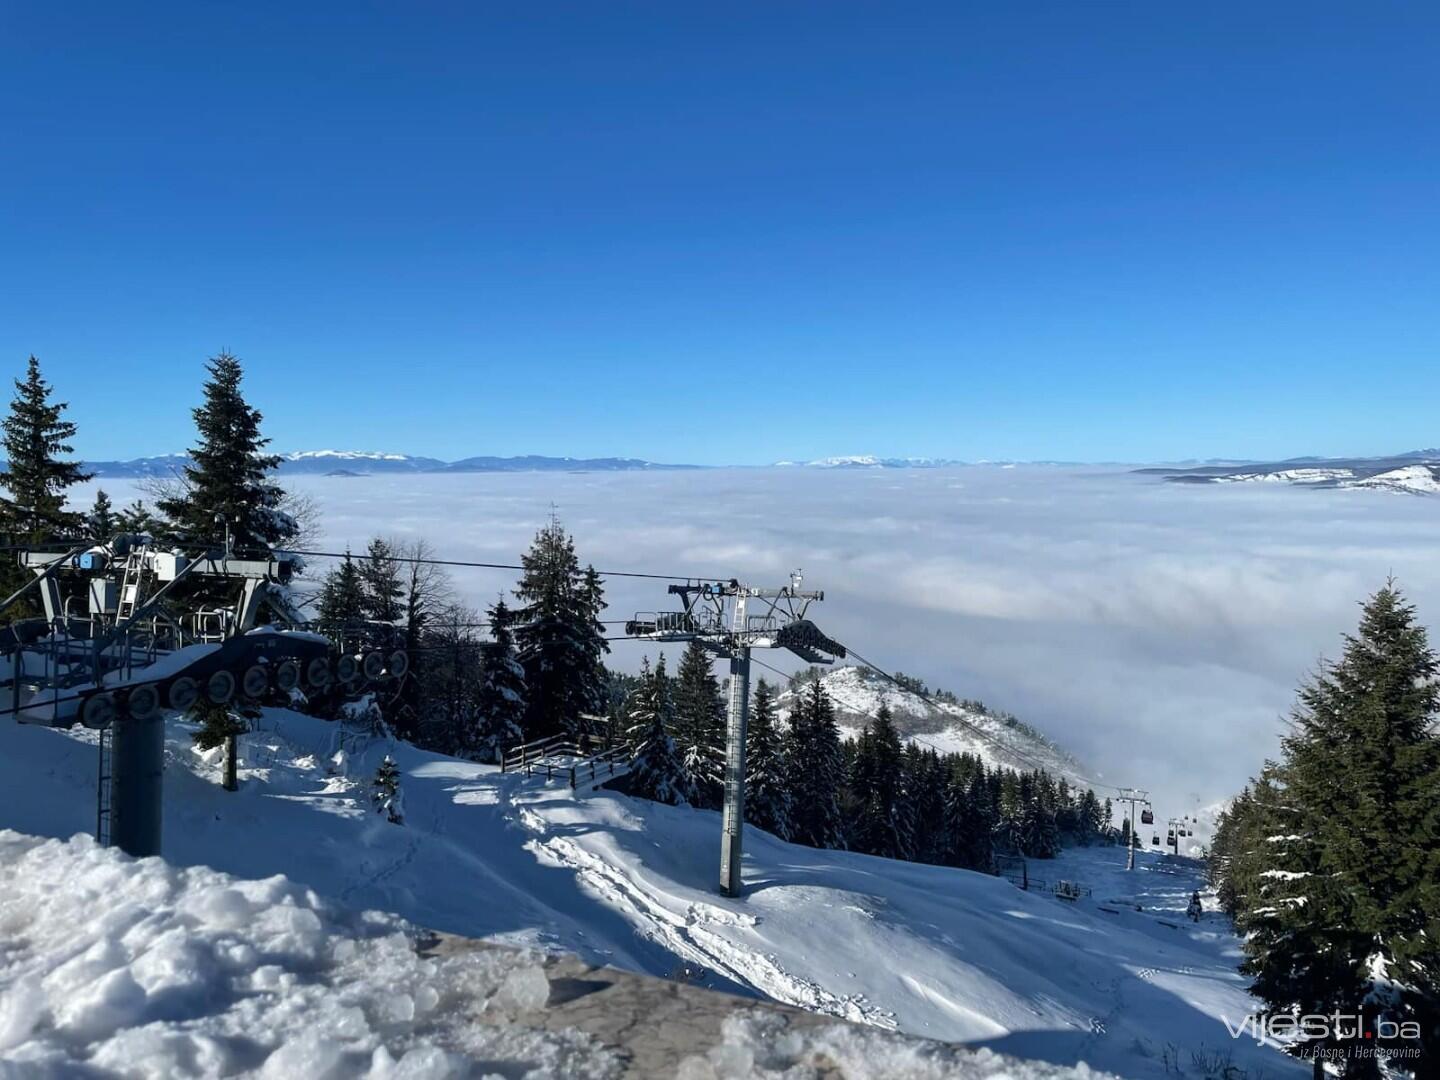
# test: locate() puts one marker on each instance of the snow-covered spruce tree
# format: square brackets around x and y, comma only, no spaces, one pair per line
[699,728]
[767,795]
[1360,778]
[382,586]
[817,770]
[558,637]
[656,771]
[37,473]
[100,522]
[341,602]
[221,726]
[386,794]
[885,825]
[500,707]
[229,474]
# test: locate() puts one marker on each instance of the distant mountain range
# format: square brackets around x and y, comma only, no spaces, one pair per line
[363,462]
[1416,472]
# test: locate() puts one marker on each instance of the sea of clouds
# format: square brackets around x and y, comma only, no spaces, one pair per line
[1157,630]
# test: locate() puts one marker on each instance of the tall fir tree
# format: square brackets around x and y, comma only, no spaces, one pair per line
[767,794]
[655,771]
[817,770]
[37,472]
[341,602]
[699,729]
[1330,859]
[557,634]
[886,824]
[101,521]
[384,587]
[501,705]
[227,485]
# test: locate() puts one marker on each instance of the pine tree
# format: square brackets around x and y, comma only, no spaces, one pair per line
[557,636]
[222,725]
[36,473]
[699,729]
[227,486]
[382,583]
[501,705]
[655,771]
[767,796]
[342,597]
[817,770]
[136,518]
[886,826]
[386,793]
[100,522]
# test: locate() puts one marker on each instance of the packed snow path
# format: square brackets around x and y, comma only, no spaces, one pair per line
[926,950]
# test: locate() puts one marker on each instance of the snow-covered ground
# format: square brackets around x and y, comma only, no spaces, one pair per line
[926,950]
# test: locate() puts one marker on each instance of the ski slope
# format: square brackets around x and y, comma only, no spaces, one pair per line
[931,951]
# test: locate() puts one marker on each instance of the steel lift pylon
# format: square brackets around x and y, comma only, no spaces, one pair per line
[731,619]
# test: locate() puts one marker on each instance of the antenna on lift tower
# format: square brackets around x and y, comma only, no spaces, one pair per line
[720,617]
[1135,797]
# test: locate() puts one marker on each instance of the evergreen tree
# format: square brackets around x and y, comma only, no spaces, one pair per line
[342,597]
[767,796]
[1330,860]
[227,485]
[699,729]
[101,521]
[386,793]
[886,825]
[36,438]
[383,585]
[221,726]
[817,770]
[655,771]
[501,706]
[136,518]
[556,636]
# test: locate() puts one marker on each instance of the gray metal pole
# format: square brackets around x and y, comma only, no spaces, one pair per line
[137,766]
[733,819]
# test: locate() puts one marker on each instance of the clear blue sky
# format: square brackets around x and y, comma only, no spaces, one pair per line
[732,233]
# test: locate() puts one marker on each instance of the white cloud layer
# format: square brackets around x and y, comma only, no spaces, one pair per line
[1157,630]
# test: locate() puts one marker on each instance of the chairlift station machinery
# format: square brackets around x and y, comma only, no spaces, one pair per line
[131,628]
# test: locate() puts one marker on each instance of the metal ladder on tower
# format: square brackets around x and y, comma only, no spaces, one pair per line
[102,791]
[133,585]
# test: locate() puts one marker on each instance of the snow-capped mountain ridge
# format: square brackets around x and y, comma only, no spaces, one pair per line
[1416,473]
[300,462]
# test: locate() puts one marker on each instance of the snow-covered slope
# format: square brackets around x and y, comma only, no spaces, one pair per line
[929,950]
[858,694]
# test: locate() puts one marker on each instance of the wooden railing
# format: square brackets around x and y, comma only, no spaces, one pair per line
[589,758]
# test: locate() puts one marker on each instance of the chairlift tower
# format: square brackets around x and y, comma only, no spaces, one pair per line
[1135,797]
[731,619]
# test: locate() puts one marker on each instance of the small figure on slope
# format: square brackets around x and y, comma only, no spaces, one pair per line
[1195,909]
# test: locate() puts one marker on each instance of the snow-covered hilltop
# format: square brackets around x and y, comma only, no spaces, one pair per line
[868,461]
[1414,473]
[951,727]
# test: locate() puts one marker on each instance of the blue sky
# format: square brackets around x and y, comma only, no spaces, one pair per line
[732,233]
